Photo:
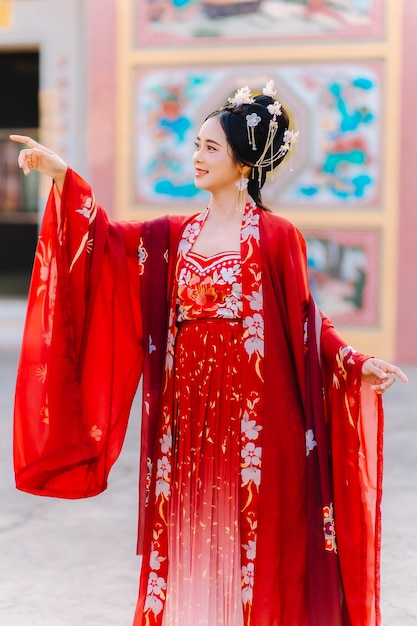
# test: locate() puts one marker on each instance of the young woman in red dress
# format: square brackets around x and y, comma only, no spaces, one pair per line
[261,448]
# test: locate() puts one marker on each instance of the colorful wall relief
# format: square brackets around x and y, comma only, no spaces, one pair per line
[335,107]
[343,272]
[202,21]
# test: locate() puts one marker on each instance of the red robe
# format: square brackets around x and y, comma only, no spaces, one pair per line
[99,291]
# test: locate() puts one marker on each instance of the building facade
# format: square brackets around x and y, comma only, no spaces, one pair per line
[124,85]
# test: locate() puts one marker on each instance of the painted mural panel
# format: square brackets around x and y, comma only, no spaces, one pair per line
[335,107]
[343,272]
[202,21]
[343,105]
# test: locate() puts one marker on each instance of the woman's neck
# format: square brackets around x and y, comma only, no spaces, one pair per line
[227,206]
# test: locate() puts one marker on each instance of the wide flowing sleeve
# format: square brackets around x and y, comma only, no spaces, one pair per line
[81,356]
[343,420]
[355,424]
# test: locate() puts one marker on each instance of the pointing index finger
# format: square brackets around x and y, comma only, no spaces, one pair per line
[28,141]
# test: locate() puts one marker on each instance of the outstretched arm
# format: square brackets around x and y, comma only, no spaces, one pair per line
[81,355]
[38,157]
[377,372]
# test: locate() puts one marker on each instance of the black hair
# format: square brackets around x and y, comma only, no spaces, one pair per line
[232,119]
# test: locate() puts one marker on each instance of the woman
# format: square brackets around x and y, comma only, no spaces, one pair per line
[261,441]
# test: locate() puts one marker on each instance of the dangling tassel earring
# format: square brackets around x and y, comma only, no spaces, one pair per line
[242,185]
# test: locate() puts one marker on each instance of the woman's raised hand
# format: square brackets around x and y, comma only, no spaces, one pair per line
[37,157]
[381,374]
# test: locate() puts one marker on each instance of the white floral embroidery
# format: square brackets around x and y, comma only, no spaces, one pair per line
[348,351]
[256,300]
[166,441]
[247,594]
[254,344]
[251,474]
[254,324]
[247,578]
[247,572]
[169,359]
[228,275]
[343,357]
[232,307]
[255,329]
[162,487]
[84,212]
[86,209]
[237,291]
[164,467]
[155,560]
[190,234]
[184,276]
[249,427]
[251,549]
[154,604]
[156,587]
[310,441]
[155,584]
[152,348]
[250,226]
[251,454]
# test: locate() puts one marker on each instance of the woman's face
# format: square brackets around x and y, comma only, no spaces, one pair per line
[215,168]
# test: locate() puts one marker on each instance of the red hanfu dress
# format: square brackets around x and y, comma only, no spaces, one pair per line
[208,471]
[204,579]
[261,450]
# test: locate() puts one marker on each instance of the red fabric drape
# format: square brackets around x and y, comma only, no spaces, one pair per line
[354,421]
[82,356]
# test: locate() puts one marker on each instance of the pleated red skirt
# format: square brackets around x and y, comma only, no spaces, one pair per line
[204,579]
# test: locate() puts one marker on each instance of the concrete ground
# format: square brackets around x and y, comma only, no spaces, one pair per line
[73,563]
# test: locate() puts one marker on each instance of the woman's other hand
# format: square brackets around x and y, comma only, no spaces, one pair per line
[381,374]
[37,157]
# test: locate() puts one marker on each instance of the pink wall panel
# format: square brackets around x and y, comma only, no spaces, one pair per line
[407,266]
[101,99]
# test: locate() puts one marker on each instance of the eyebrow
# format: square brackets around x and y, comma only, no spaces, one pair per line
[211,141]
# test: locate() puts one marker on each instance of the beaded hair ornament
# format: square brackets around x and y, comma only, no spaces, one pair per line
[268,157]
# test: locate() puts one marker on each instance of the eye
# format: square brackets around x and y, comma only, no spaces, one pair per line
[196,145]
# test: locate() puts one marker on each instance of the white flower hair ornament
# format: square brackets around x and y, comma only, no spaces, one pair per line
[242,96]
[275,109]
[252,122]
[269,89]
[289,139]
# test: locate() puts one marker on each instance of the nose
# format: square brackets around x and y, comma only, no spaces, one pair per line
[197,154]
